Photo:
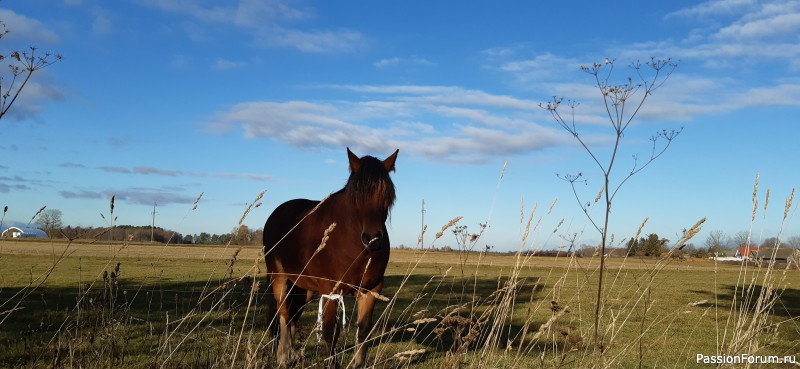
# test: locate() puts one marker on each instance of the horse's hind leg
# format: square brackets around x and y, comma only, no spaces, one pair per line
[280,289]
[366,304]
[296,302]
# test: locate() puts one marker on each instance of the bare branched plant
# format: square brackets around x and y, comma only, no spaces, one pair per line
[20,69]
[622,102]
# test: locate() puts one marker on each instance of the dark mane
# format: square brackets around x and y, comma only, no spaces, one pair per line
[371,184]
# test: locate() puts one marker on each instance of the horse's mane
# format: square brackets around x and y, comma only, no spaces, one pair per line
[370,185]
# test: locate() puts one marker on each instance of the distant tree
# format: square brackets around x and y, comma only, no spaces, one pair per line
[652,245]
[20,69]
[632,246]
[241,235]
[257,237]
[50,221]
[793,242]
[716,242]
[740,239]
[202,239]
[696,252]
[771,242]
[221,239]
[586,251]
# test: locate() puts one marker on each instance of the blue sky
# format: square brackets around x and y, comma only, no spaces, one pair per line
[160,100]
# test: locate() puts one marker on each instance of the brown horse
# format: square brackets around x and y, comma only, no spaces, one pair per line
[351,261]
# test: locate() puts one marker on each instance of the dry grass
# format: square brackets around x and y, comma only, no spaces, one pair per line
[538,318]
[90,304]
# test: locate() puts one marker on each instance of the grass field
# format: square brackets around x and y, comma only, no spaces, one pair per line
[83,305]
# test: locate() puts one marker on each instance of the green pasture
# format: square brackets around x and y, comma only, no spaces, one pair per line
[151,306]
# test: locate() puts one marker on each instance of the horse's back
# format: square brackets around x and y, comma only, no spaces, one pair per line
[284,224]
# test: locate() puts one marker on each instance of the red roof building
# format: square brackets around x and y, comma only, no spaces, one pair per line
[745,252]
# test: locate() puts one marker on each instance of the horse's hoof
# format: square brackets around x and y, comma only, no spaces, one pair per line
[332,363]
[289,359]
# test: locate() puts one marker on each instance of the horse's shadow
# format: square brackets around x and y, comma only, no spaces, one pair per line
[429,316]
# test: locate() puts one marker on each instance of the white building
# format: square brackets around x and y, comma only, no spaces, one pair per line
[23,232]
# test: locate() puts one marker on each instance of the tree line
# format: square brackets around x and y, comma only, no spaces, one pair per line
[243,235]
[717,243]
[50,221]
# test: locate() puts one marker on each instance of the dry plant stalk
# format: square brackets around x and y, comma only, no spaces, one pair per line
[255,204]
[197,200]
[446,226]
[35,215]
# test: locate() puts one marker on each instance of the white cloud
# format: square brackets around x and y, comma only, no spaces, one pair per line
[317,42]
[223,64]
[102,25]
[394,62]
[464,129]
[139,196]
[33,97]
[102,21]
[778,24]
[180,61]
[499,52]
[778,95]
[300,124]
[712,8]
[746,31]
[268,23]
[27,30]
[541,68]
[384,63]
[253,13]
[737,55]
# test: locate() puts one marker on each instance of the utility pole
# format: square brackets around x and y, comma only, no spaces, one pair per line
[153,226]
[422,228]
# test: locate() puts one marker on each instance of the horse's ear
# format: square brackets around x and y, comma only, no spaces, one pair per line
[355,162]
[389,162]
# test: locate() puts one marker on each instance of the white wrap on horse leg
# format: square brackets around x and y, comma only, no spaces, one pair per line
[333,296]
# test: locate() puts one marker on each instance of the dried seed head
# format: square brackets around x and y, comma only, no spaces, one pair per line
[197,200]
[695,228]
[424,321]
[37,214]
[599,194]
[641,226]
[552,206]
[325,236]
[260,195]
[448,225]
[755,199]
[407,355]
[788,204]
[559,225]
